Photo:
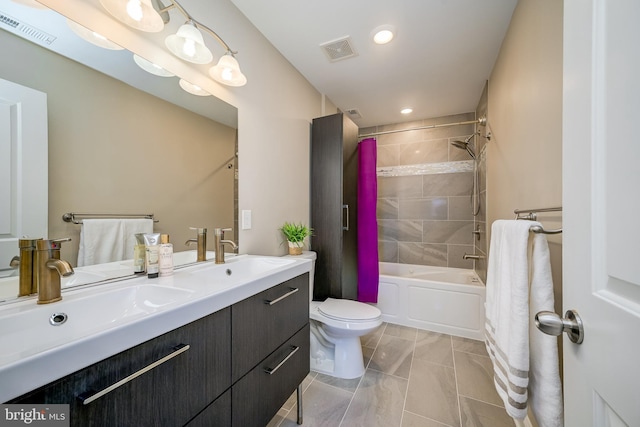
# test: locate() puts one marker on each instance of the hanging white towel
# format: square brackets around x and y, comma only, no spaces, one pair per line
[108,240]
[525,360]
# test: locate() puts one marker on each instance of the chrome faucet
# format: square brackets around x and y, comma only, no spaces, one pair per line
[201,240]
[474,257]
[26,262]
[49,268]
[220,242]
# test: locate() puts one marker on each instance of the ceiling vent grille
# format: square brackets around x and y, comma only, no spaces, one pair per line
[337,50]
[26,30]
[354,113]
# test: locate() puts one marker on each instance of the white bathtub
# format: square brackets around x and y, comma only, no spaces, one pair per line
[439,299]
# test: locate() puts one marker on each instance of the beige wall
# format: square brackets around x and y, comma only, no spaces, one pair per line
[115,149]
[524,157]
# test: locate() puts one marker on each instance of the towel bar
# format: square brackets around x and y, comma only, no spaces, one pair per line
[531,216]
[72,217]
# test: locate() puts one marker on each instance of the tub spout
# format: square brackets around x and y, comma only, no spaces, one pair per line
[474,257]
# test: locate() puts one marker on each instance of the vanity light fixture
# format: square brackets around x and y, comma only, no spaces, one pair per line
[227,71]
[150,67]
[383,34]
[92,37]
[138,14]
[193,89]
[187,44]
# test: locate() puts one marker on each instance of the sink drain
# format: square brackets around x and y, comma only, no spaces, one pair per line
[58,319]
[229,272]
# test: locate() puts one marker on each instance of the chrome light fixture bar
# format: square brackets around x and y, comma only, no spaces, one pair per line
[187,44]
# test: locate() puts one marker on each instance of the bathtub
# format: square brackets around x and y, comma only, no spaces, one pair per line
[439,299]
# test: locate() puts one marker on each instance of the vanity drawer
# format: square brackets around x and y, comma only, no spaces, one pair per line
[261,323]
[169,393]
[258,396]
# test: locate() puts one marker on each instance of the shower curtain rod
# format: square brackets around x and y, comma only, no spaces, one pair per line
[482,121]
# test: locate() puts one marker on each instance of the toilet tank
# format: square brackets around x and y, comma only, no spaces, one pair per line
[312,256]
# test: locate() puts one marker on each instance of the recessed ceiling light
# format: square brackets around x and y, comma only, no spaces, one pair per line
[383,34]
[406,110]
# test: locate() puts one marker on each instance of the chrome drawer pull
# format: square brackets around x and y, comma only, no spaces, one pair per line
[291,292]
[272,371]
[90,395]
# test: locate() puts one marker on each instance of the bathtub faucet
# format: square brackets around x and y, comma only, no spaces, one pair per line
[474,257]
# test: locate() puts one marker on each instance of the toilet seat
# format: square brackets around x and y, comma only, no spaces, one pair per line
[347,310]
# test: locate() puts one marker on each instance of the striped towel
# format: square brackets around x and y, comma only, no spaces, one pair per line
[525,360]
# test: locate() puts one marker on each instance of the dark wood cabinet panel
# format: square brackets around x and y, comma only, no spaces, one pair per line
[258,328]
[334,198]
[257,393]
[175,390]
[217,414]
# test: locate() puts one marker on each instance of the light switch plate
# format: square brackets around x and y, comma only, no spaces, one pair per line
[246,219]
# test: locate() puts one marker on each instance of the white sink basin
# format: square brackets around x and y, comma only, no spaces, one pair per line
[237,270]
[34,328]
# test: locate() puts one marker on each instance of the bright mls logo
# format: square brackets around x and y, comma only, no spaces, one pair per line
[36,415]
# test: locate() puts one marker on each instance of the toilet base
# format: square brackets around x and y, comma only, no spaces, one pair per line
[337,357]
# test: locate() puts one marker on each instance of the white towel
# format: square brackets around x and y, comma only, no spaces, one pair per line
[525,360]
[108,240]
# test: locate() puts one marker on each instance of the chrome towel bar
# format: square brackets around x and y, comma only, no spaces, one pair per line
[73,217]
[531,216]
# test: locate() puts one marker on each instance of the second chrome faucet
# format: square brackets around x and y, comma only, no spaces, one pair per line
[220,242]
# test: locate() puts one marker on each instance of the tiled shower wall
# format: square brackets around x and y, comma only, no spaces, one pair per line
[424,187]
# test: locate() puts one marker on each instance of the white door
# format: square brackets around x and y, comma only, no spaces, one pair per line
[601,197]
[23,168]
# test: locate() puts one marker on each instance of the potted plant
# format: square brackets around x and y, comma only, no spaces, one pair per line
[295,235]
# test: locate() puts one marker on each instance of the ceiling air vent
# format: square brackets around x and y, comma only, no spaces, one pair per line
[25,30]
[354,113]
[337,50]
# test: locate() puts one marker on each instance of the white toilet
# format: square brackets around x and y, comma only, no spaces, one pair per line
[336,328]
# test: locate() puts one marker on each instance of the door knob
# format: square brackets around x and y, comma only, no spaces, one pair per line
[552,324]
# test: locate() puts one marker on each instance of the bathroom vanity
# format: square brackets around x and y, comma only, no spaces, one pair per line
[236,365]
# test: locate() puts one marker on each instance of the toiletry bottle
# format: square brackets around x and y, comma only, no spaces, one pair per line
[152,241]
[139,254]
[166,256]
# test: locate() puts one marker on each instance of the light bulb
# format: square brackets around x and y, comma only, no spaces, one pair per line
[134,10]
[227,74]
[189,48]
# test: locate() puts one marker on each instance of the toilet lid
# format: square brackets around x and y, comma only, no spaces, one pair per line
[343,309]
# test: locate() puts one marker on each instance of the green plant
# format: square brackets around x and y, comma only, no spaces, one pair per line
[296,232]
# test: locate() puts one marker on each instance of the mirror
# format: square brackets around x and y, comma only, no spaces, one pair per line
[128,142]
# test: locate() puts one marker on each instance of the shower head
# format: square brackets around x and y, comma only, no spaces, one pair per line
[464,145]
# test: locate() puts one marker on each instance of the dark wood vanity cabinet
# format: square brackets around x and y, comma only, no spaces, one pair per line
[270,341]
[242,364]
[175,390]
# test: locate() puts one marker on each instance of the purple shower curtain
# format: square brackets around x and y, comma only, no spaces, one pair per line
[368,273]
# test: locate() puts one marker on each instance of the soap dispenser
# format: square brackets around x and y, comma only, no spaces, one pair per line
[166,256]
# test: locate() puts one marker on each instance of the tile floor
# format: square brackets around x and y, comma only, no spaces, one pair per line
[413,378]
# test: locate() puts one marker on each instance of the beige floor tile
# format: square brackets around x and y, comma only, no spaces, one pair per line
[480,414]
[293,399]
[379,401]
[434,347]
[470,346]
[372,338]
[399,331]
[347,385]
[393,356]
[432,392]
[412,420]
[475,377]
[323,405]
